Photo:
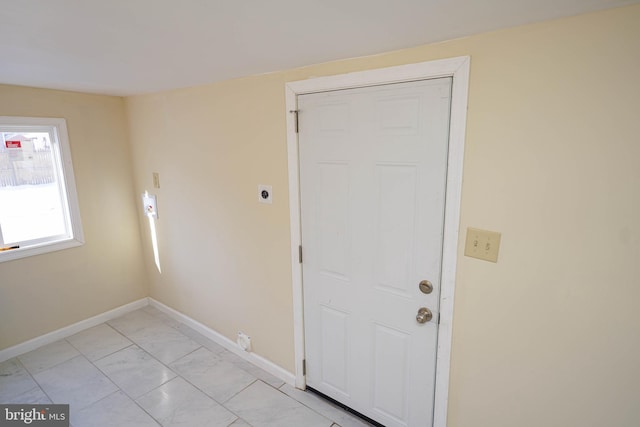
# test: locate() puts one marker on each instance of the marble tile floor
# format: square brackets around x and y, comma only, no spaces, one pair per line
[146,369]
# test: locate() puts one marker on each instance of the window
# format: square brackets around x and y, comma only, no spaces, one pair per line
[38,202]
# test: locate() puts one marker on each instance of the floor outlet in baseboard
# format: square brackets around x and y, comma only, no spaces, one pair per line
[244,341]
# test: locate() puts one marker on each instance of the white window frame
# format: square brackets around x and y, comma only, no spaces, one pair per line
[61,151]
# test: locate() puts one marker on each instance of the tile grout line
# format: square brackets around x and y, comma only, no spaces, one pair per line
[237,367]
[135,401]
[240,391]
[34,379]
[167,365]
[106,355]
[92,364]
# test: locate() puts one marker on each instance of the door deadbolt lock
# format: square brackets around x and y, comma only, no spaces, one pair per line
[426,287]
[424,315]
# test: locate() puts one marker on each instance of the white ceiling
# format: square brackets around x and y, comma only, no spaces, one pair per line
[125,47]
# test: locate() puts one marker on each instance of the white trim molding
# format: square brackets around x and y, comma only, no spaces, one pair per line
[218,338]
[67,331]
[457,68]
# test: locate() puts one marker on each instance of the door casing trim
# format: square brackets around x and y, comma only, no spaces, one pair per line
[457,68]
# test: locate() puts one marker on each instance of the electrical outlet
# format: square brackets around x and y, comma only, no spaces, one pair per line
[265,194]
[149,204]
[244,341]
[482,244]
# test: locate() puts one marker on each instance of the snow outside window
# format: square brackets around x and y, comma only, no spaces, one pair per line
[38,202]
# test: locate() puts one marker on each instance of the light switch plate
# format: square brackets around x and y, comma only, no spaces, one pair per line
[482,244]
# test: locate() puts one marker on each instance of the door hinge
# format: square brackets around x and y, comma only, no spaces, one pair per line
[295,112]
[438,318]
[304,366]
[300,254]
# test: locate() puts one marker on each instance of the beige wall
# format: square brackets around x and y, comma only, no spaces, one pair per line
[46,292]
[548,336]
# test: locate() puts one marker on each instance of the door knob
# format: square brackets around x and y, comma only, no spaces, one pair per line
[424,315]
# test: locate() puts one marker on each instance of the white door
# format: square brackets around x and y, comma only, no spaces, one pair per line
[373,165]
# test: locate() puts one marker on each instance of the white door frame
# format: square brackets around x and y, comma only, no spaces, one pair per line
[458,68]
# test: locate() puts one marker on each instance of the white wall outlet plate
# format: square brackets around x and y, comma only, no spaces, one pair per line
[244,341]
[149,204]
[265,194]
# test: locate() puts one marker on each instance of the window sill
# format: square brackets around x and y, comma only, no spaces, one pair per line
[40,249]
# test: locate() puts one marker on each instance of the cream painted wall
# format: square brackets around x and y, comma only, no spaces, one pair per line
[549,335]
[46,292]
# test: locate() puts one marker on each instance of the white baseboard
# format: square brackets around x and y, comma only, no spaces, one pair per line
[218,338]
[67,331]
[213,335]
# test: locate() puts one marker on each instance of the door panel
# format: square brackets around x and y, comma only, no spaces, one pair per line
[396,207]
[335,349]
[372,181]
[391,383]
[333,218]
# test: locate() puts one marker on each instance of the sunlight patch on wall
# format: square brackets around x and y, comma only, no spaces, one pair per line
[150,206]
